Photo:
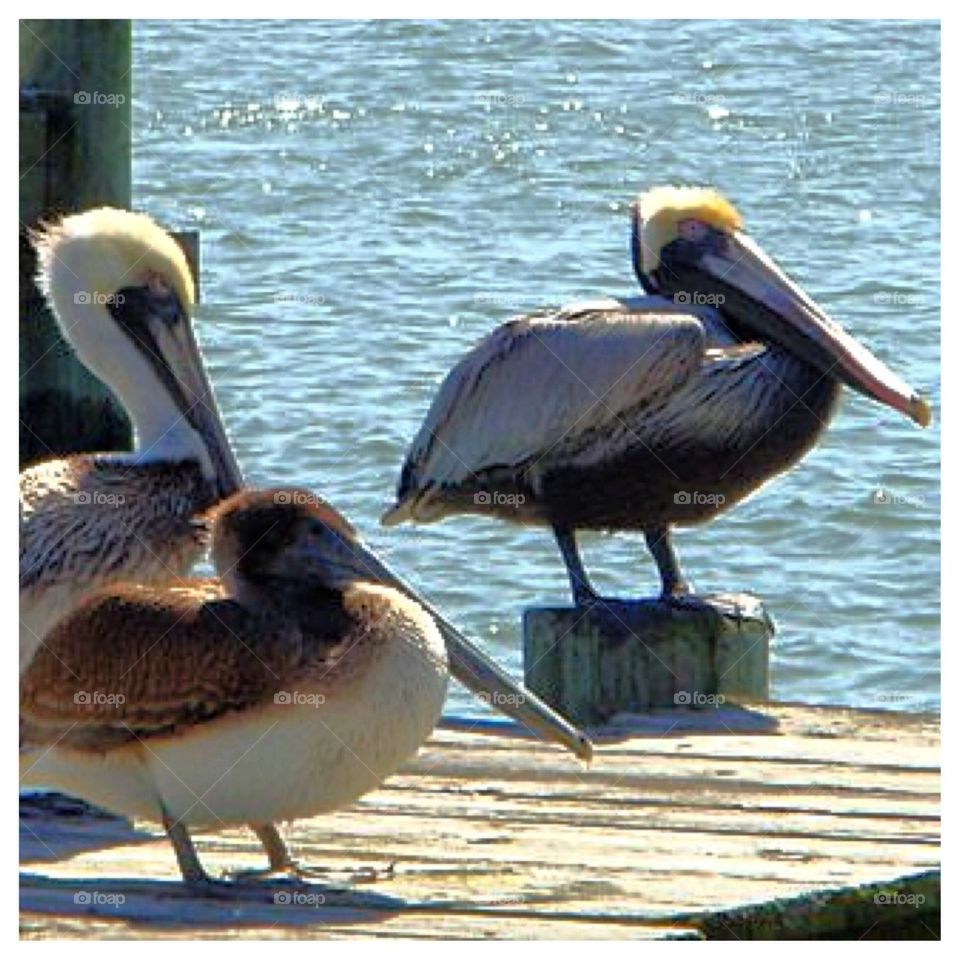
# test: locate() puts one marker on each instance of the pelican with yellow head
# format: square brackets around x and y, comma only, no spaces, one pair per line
[122,293]
[643,413]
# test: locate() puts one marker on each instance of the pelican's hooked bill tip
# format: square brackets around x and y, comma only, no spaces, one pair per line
[920,410]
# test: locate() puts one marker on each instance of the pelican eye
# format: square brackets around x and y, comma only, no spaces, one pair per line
[129,306]
[693,230]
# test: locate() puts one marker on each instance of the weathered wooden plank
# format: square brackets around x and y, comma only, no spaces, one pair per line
[486,834]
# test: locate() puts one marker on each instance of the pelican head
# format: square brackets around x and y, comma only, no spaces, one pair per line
[266,540]
[689,242]
[283,545]
[122,292]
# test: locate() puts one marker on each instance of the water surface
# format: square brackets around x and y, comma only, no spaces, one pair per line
[374,197]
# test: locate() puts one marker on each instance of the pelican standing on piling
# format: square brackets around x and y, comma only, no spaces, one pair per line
[122,293]
[643,413]
[300,689]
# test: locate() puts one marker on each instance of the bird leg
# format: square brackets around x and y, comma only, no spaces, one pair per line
[672,581]
[190,867]
[282,865]
[583,594]
[274,847]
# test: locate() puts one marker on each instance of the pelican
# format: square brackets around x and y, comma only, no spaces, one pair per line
[642,413]
[121,290]
[122,293]
[301,688]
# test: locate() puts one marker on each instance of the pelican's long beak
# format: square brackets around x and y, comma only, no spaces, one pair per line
[468,663]
[201,410]
[166,338]
[759,294]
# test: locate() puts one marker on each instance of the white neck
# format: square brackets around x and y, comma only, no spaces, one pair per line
[162,433]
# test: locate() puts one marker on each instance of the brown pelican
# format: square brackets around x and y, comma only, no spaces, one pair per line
[122,292]
[642,413]
[300,689]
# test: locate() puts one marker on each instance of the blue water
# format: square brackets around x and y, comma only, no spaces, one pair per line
[373,198]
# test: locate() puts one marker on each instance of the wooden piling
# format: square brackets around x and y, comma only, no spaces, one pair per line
[638,655]
[75,147]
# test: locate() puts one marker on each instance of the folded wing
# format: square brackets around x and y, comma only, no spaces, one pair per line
[538,384]
[135,663]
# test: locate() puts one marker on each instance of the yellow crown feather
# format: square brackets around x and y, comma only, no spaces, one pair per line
[111,249]
[662,208]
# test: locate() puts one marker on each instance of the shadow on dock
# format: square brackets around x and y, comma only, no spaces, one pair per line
[665,722]
[171,904]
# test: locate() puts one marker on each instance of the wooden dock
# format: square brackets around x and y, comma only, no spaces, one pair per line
[736,822]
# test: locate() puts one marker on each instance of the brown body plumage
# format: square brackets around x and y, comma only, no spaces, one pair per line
[287,688]
[88,522]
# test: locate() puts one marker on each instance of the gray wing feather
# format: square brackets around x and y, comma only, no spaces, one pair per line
[535,385]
